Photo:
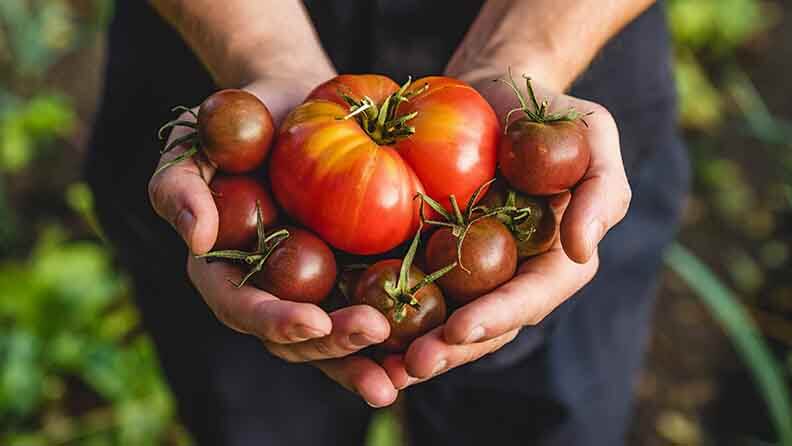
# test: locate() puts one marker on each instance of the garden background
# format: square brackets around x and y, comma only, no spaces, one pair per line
[76,367]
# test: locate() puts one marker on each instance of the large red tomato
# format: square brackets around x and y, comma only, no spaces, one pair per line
[353,179]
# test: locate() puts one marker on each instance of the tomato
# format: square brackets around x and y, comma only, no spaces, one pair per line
[475,239]
[349,161]
[301,268]
[291,264]
[415,322]
[543,153]
[235,198]
[410,301]
[489,259]
[532,222]
[234,131]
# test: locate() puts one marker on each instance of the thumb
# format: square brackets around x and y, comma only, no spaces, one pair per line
[180,195]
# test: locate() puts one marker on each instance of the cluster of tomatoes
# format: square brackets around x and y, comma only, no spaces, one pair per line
[362,167]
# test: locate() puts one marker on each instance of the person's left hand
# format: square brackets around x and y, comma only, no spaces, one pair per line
[542,283]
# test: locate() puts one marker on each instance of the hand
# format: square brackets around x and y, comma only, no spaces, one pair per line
[295,332]
[543,282]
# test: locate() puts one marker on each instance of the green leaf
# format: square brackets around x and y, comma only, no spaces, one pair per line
[20,377]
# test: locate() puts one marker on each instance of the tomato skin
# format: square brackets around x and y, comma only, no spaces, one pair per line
[544,158]
[236,130]
[370,290]
[454,149]
[334,179]
[235,198]
[302,268]
[489,252]
[357,195]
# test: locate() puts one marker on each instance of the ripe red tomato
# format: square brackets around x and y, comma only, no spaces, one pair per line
[236,198]
[234,130]
[353,180]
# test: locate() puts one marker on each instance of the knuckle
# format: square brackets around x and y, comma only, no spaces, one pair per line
[222,314]
[157,194]
[323,347]
[626,196]
[280,352]
[293,358]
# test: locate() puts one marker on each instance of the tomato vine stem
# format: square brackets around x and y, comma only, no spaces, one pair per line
[536,111]
[401,293]
[265,245]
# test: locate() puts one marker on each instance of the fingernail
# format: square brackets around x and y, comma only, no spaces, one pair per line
[304,332]
[360,340]
[410,381]
[475,335]
[184,225]
[371,405]
[441,365]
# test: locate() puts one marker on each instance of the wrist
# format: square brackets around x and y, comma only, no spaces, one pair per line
[543,63]
[282,92]
[253,59]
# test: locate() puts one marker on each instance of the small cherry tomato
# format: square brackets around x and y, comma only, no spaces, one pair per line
[233,129]
[408,298]
[543,153]
[235,198]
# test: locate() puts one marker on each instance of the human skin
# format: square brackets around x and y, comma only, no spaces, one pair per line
[263,46]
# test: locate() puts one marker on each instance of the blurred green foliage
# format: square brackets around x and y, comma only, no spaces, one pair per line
[75,367]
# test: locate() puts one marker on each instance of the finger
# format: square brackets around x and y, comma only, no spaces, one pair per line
[252,311]
[397,371]
[180,195]
[542,283]
[430,355]
[354,328]
[362,376]
[600,200]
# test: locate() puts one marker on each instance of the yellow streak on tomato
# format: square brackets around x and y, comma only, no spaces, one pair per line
[434,122]
[342,155]
[315,112]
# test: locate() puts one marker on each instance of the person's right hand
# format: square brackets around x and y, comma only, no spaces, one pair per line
[295,332]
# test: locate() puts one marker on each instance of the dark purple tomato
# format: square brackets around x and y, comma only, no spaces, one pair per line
[235,198]
[544,158]
[371,290]
[543,152]
[489,254]
[235,130]
[301,268]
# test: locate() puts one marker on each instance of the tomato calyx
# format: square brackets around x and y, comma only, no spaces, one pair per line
[382,121]
[460,222]
[536,112]
[402,295]
[514,217]
[265,245]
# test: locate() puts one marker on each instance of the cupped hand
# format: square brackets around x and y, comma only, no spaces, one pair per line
[295,332]
[542,283]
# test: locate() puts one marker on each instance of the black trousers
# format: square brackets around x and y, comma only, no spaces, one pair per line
[567,382]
